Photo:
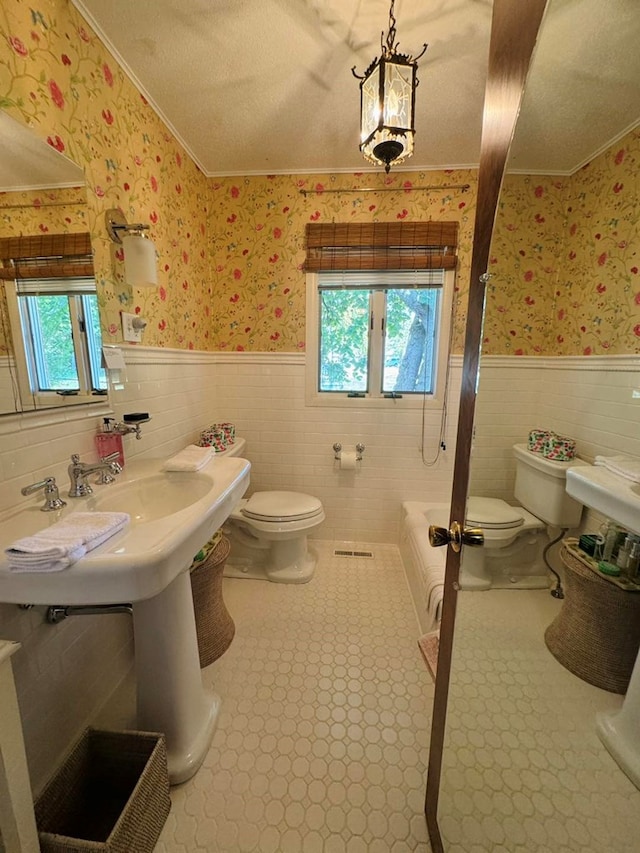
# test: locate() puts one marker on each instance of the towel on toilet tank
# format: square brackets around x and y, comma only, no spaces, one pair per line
[59,546]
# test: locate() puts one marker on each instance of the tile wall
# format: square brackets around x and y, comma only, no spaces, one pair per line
[290,445]
[65,672]
[594,400]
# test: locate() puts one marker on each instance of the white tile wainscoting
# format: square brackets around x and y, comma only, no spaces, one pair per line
[65,673]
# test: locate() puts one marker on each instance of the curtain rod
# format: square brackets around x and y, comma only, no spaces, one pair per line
[38,206]
[314,191]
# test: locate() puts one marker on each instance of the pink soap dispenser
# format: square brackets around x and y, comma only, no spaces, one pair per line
[108,441]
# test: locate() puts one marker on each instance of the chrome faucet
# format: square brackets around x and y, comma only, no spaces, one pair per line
[79,471]
[52,499]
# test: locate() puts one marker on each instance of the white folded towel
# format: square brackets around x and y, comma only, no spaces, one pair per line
[192,458]
[65,542]
[624,466]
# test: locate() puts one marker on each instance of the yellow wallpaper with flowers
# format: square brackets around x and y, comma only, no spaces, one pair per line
[57,77]
[257,247]
[230,250]
[565,257]
[29,212]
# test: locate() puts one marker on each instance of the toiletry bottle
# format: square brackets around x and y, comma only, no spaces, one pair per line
[634,561]
[108,441]
[610,540]
[624,553]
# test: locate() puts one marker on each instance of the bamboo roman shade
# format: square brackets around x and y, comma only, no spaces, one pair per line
[381,246]
[46,256]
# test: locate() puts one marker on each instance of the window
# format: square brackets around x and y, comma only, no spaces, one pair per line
[379,298]
[377,336]
[58,346]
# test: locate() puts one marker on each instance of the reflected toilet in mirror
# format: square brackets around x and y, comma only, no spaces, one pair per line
[523,763]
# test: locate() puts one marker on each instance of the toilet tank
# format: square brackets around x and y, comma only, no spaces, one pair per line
[540,488]
[235,449]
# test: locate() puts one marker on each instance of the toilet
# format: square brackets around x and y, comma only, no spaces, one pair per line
[515,536]
[268,533]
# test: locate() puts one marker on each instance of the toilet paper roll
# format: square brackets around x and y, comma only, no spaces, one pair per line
[348,461]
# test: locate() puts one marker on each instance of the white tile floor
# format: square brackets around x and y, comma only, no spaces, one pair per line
[323,737]
[524,769]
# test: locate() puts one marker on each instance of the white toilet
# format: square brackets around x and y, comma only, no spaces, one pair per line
[515,536]
[268,534]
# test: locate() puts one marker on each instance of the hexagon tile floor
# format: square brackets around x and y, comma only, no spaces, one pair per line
[322,740]
[524,770]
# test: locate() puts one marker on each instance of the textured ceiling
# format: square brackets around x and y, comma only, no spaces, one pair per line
[260,87]
[265,86]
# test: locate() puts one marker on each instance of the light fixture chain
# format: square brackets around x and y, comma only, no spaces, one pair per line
[391,35]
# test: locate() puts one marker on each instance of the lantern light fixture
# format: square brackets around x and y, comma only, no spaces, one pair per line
[387,101]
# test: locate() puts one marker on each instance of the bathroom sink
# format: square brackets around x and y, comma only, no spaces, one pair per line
[155,496]
[608,493]
[172,516]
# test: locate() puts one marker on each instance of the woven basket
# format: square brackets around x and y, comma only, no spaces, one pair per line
[214,625]
[596,635]
[111,794]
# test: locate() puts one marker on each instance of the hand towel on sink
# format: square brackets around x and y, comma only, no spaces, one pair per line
[192,458]
[624,466]
[65,542]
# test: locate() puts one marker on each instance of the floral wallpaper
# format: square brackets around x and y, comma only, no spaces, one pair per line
[38,212]
[257,247]
[597,309]
[230,250]
[57,77]
[565,257]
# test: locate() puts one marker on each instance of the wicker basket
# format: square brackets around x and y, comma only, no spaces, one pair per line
[596,635]
[111,794]
[214,625]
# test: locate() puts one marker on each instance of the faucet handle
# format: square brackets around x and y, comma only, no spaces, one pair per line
[52,499]
[108,474]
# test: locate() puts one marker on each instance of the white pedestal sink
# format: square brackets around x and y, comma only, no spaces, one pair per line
[172,516]
[619,499]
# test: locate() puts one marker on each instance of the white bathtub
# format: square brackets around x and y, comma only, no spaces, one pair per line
[423,564]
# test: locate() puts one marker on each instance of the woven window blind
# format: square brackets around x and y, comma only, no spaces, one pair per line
[381,246]
[46,256]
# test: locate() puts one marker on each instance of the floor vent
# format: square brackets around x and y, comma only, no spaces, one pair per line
[341,552]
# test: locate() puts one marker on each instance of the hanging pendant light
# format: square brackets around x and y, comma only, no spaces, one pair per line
[387,98]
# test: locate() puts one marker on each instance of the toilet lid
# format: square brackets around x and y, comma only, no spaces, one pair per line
[281,506]
[492,514]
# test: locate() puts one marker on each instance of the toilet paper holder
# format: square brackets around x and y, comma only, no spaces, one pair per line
[337,449]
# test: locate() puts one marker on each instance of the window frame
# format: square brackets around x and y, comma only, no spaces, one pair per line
[413,400]
[74,288]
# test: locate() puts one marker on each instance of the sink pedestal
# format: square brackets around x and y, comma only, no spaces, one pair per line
[170,694]
[619,731]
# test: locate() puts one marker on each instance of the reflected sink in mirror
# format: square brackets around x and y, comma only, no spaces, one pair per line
[172,515]
[614,496]
[152,497]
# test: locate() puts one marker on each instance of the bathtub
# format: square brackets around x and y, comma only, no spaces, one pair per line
[424,565]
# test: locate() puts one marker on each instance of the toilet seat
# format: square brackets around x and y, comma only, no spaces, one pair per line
[278,507]
[493,514]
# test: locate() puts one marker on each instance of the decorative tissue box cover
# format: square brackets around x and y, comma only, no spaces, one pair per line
[551,445]
[218,436]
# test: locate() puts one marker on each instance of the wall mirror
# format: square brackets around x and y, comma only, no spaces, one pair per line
[50,344]
[523,767]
